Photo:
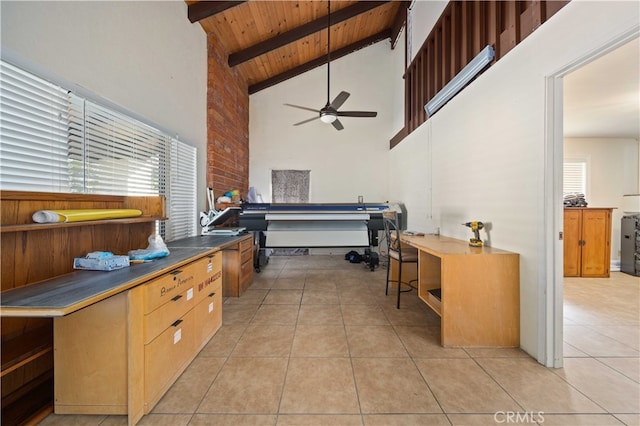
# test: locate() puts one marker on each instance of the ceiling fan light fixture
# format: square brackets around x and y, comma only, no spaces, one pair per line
[329,113]
[327,118]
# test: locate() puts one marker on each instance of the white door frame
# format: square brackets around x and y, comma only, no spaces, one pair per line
[551,335]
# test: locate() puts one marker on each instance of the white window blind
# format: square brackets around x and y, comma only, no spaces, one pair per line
[36,118]
[182,198]
[53,140]
[123,155]
[575,176]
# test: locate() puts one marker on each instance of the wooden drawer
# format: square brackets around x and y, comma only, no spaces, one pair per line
[161,290]
[210,275]
[246,275]
[166,357]
[160,319]
[246,256]
[246,245]
[208,315]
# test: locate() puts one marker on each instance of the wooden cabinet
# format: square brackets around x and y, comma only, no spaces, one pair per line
[121,355]
[35,252]
[587,242]
[237,266]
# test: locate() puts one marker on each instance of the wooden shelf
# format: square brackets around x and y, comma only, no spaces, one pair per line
[26,348]
[59,225]
[432,301]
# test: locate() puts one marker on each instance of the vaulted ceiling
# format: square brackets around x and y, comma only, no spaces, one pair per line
[272,41]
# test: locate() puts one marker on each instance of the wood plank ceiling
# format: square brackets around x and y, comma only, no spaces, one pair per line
[272,41]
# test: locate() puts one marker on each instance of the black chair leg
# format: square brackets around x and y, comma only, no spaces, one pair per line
[386,291]
[399,283]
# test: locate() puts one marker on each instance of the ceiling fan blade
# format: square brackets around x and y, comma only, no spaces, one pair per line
[305,108]
[337,124]
[357,114]
[339,100]
[306,121]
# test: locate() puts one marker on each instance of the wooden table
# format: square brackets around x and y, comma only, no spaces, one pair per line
[479,302]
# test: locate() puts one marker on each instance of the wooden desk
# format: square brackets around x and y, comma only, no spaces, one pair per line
[479,286]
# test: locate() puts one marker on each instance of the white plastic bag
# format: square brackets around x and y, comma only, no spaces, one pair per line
[157,248]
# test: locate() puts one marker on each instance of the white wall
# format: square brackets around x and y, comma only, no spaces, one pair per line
[488,149]
[343,164]
[145,57]
[612,172]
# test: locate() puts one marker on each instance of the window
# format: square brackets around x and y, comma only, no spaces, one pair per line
[182,198]
[54,140]
[39,123]
[574,176]
[123,155]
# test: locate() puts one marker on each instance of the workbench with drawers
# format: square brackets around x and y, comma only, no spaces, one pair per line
[122,338]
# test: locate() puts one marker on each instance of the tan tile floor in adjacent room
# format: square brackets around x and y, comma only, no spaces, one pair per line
[314,341]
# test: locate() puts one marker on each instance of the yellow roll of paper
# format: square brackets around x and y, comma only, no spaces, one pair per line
[82,215]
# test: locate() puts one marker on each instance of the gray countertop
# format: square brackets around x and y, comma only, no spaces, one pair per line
[70,292]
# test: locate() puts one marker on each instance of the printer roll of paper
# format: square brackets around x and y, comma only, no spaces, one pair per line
[81,215]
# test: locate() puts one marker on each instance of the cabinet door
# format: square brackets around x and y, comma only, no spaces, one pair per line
[596,249]
[572,235]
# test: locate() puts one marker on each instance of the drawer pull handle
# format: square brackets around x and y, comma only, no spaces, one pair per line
[177,323]
[176,272]
[212,294]
[176,298]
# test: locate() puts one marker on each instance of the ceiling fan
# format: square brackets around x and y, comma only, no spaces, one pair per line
[329,113]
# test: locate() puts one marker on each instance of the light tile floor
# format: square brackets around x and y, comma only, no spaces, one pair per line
[314,341]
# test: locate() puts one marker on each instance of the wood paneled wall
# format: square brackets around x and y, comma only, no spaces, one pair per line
[461,32]
[34,252]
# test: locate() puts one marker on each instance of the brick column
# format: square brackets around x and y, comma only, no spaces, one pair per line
[227,124]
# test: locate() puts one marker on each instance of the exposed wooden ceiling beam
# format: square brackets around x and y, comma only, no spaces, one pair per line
[301,31]
[399,22]
[205,9]
[319,61]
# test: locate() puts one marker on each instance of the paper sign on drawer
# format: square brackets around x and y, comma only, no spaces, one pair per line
[190,294]
[210,307]
[177,336]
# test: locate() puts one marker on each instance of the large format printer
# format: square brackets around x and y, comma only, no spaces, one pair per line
[316,225]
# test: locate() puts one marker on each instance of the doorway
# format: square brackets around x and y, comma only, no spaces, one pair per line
[557,118]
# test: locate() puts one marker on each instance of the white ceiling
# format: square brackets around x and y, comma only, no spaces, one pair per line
[602,99]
